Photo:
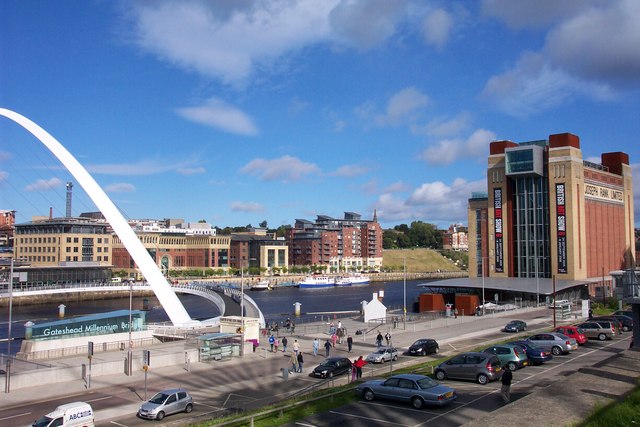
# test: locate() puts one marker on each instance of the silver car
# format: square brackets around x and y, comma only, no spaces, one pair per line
[383,354]
[166,402]
[558,343]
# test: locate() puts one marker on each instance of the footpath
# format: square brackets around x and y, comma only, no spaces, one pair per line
[567,400]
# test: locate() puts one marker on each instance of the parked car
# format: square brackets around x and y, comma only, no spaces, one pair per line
[593,329]
[423,347]
[515,326]
[623,323]
[511,356]
[537,355]
[331,367]
[558,343]
[410,388]
[608,324]
[628,313]
[573,332]
[166,402]
[480,367]
[383,354]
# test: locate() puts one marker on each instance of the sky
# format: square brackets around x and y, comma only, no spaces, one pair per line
[237,112]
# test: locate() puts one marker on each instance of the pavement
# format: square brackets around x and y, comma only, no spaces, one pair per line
[262,370]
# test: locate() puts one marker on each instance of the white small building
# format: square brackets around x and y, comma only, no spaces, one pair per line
[374,310]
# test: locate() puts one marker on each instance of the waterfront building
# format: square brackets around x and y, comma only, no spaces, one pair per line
[548,213]
[455,238]
[7,220]
[349,244]
[258,250]
[175,246]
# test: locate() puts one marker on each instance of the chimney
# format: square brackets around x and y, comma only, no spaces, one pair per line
[69,194]
[50,213]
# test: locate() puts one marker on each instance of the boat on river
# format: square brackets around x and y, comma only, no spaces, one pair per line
[262,285]
[315,282]
[355,279]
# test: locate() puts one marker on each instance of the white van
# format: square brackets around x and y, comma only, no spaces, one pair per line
[116,280]
[75,414]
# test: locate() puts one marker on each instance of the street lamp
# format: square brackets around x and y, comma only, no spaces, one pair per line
[241,307]
[130,352]
[482,266]
[404,307]
[7,387]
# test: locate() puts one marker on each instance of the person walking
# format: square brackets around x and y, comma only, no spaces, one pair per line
[359,365]
[272,341]
[387,337]
[334,338]
[296,347]
[349,343]
[327,347]
[505,390]
[284,344]
[316,346]
[300,361]
[276,344]
[379,340]
[294,363]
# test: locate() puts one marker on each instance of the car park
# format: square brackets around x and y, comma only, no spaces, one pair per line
[515,326]
[331,367]
[558,343]
[511,356]
[537,355]
[383,354]
[573,332]
[424,346]
[593,329]
[480,367]
[418,390]
[166,402]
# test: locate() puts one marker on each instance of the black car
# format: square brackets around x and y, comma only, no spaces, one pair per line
[331,367]
[515,326]
[625,322]
[423,347]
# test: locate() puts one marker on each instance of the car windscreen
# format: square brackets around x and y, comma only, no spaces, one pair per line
[427,382]
[327,363]
[159,398]
[42,422]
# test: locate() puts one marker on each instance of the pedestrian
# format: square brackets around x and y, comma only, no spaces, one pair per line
[387,337]
[349,343]
[272,340]
[284,344]
[293,327]
[455,313]
[359,364]
[339,324]
[327,347]
[379,340]
[294,363]
[296,347]
[276,344]
[300,361]
[590,314]
[316,346]
[354,371]
[505,390]
[334,338]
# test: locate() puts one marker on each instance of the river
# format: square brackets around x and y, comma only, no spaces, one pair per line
[276,305]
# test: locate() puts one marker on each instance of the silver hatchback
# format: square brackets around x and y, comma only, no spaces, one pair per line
[558,343]
[166,402]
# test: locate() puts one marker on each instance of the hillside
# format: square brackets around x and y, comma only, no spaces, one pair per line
[418,260]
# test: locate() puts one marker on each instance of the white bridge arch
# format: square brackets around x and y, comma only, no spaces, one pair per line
[167,297]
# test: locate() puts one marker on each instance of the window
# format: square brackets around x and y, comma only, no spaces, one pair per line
[403,383]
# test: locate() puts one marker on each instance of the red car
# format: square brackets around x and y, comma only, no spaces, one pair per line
[573,332]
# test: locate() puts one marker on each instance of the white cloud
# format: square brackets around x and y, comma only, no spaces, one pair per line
[44,184]
[349,171]
[218,114]
[403,106]
[191,171]
[444,126]
[120,187]
[434,202]
[437,27]
[447,151]
[286,168]
[247,207]
[533,13]
[397,187]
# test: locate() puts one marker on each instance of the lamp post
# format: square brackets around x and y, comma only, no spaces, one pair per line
[7,388]
[404,306]
[482,266]
[537,283]
[130,352]
[242,307]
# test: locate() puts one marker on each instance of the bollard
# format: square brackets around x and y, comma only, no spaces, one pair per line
[285,373]
[61,308]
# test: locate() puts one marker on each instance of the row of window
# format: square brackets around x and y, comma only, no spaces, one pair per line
[47,258]
[85,240]
[53,249]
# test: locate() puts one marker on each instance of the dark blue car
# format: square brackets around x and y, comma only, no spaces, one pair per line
[537,355]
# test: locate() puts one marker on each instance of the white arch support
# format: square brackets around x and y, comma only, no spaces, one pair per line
[167,297]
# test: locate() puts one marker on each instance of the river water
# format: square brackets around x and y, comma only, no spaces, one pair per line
[276,305]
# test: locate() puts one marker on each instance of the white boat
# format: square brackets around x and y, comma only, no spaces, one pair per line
[313,282]
[355,279]
[262,285]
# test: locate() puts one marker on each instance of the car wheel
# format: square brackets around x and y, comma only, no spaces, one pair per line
[556,351]
[160,416]
[423,352]
[189,408]
[330,374]
[602,337]
[417,402]
[441,375]
[483,379]
[395,358]
[512,366]
[437,350]
[626,328]
[368,395]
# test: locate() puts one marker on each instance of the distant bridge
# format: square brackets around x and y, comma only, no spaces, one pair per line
[226,299]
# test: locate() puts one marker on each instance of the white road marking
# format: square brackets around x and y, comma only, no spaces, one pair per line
[14,416]
[118,424]
[99,398]
[378,420]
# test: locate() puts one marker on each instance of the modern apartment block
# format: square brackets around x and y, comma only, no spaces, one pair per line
[339,244]
[549,213]
[258,249]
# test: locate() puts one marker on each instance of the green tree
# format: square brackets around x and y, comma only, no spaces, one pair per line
[263,224]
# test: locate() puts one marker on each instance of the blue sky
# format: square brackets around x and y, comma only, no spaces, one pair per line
[237,112]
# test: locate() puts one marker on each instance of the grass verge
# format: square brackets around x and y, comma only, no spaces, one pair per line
[616,414]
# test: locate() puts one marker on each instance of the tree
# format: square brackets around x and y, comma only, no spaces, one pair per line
[263,224]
